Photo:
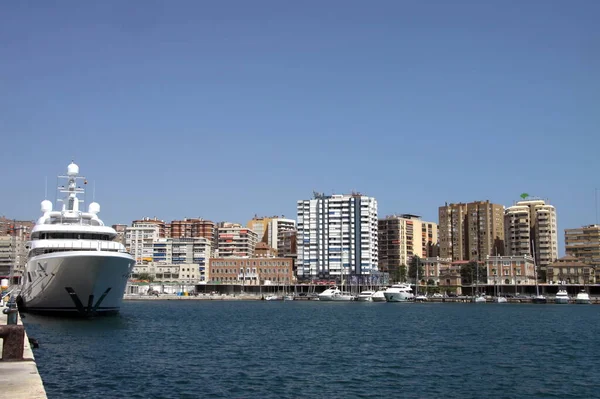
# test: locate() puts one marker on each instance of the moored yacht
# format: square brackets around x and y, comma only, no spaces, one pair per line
[335,294]
[73,265]
[583,298]
[365,296]
[561,296]
[378,296]
[399,293]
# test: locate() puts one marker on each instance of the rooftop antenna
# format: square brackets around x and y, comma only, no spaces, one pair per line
[46,189]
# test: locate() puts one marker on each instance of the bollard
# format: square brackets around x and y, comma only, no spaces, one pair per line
[13,342]
[11,315]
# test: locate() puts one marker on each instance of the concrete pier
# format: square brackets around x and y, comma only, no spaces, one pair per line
[19,376]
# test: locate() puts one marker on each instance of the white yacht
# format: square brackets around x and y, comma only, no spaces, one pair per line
[583,298]
[399,293]
[73,264]
[378,296]
[365,296]
[561,296]
[335,294]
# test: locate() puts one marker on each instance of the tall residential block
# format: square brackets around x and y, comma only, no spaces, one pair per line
[403,236]
[139,239]
[584,243]
[337,235]
[530,228]
[192,228]
[234,240]
[471,231]
[268,229]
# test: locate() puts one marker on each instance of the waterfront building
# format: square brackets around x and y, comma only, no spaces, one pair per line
[251,271]
[121,230]
[400,237]
[286,243]
[532,222]
[471,231]
[13,251]
[234,240]
[571,270]
[584,243]
[183,250]
[434,269]
[168,273]
[268,229]
[192,228]
[337,234]
[160,225]
[139,239]
[505,270]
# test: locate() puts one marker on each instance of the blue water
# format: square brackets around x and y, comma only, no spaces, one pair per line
[258,349]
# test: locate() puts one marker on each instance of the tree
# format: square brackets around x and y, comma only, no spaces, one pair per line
[412,268]
[468,273]
[146,276]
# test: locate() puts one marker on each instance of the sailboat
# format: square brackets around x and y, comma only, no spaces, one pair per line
[538,297]
[478,298]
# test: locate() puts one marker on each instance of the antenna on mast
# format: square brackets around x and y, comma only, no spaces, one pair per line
[94,192]
[46,189]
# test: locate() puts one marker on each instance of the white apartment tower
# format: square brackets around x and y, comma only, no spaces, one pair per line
[139,240]
[337,235]
[530,226]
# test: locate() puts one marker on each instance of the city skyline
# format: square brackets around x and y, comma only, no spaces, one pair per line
[208,110]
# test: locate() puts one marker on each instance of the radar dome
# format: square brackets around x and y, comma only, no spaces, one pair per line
[72,169]
[94,208]
[46,206]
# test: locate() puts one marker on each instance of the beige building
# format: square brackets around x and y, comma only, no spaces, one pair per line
[434,269]
[400,237]
[530,228]
[471,231]
[184,273]
[571,270]
[510,270]
[584,243]
[269,229]
[234,240]
[251,271]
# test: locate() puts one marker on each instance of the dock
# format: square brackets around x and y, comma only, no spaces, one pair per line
[19,376]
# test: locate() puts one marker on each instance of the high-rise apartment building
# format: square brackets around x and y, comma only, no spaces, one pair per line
[530,228]
[192,251]
[160,224]
[192,228]
[268,229]
[234,240]
[403,236]
[471,231]
[584,243]
[139,239]
[337,235]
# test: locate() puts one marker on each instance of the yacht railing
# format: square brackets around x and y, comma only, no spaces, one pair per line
[48,246]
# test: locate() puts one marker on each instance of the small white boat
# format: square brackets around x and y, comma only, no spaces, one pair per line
[421,298]
[561,296]
[500,299]
[274,298]
[365,296]
[480,299]
[583,298]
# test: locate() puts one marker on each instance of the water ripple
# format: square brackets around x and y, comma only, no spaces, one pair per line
[220,349]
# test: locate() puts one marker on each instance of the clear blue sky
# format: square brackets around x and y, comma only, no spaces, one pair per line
[228,109]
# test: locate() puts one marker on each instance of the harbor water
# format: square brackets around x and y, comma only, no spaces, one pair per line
[290,349]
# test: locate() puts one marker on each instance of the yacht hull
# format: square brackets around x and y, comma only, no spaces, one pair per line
[396,297]
[561,301]
[78,283]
